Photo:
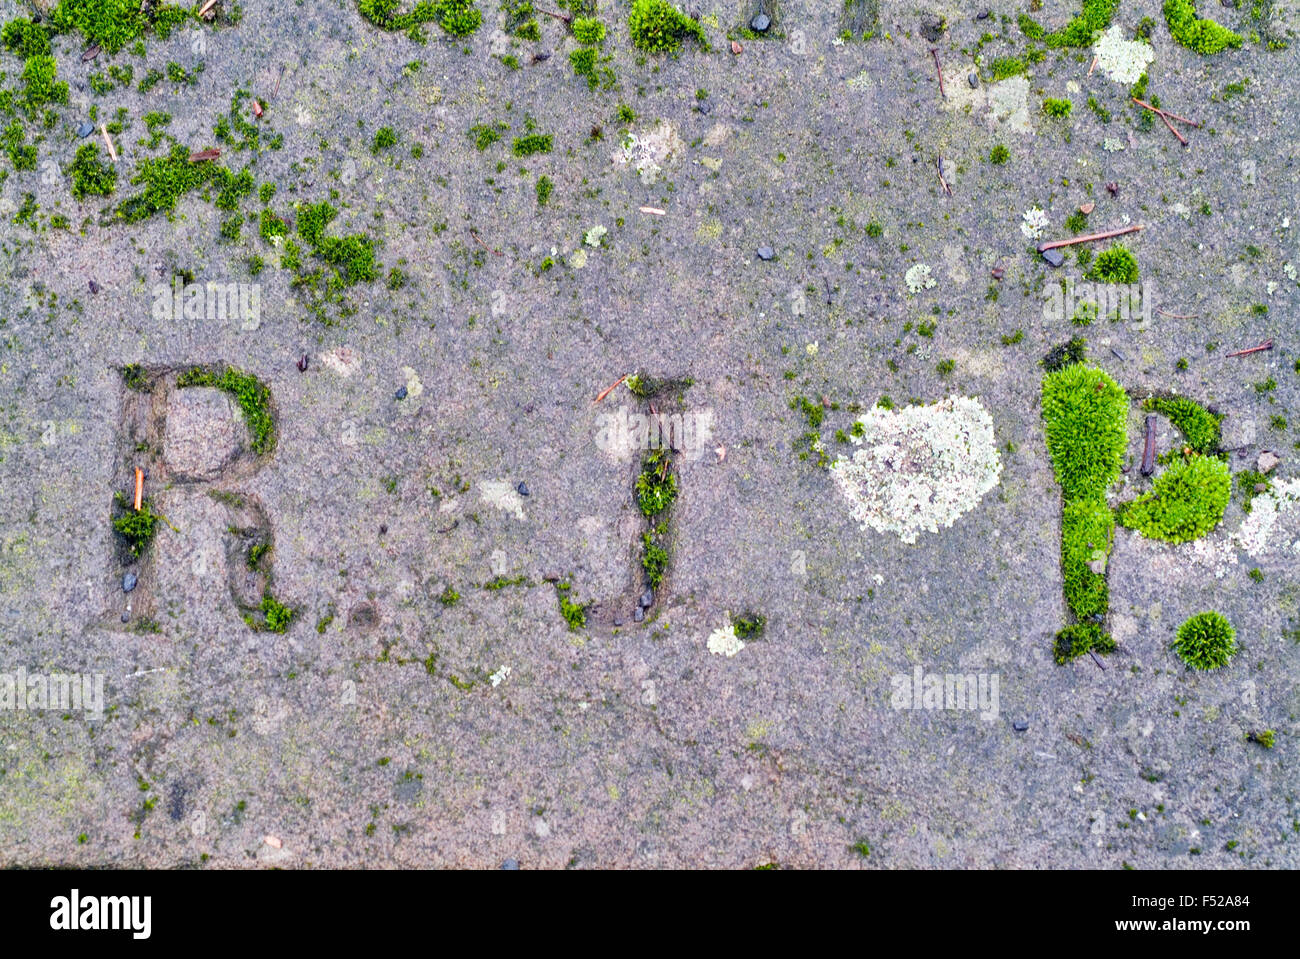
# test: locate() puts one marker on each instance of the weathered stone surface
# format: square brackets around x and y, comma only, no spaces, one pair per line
[204,433]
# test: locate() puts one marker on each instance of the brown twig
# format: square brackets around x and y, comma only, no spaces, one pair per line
[139,488]
[1181,139]
[934,52]
[1093,67]
[484,245]
[112,151]
[1177,316]
[203,10]
[1100,664]
[654,210]
[276,91]
[946,188]
[566,17]
[1149,448]
[1090,237]
[610,389]
[211,153]
[1166,113]
[1266,345]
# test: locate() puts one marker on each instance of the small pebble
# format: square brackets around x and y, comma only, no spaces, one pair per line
[522,488]
[129,581]
[1054,256]
[983,14]
[618,620]
[647,599]
[510,864]
[973,79]
[736,48]
[94,287]
[302,363]
[766,253]
[400,394]
[126,617]
[705,107]
[638,614]
[85,130]
[760,23]
[1020,726]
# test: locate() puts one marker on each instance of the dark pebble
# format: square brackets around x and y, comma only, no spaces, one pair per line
[760,23]
[704,106]
[1020,726]
[383,529]
[973,79]
[400,394]
[302,363]
[85,130]
[522,489]
[618,620]
[510,864]
[638,614]
[1054,256]
[932,28]
[126,617]
[94,287]
[129,581]
[766,253]
[647,599]
[983,14]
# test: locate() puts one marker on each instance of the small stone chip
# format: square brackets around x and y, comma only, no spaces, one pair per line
[1054,257]
[273,841]
[766,253]
[760,22]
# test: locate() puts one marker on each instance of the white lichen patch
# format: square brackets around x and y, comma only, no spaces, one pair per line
[920,468]
[503,495]
[650,151]
[725,642]
[919,278]
[500,676]
[1033,223]
[1009,104]
[1124,61]
[595,236]
[1271,519]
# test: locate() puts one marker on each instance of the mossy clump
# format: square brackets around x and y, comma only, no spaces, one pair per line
[25,39]
[657,26]
[588,31]
[41,85]
[1079,32]
[1265,738]
[545,186]
[654,558]
[1251,483]
[1086,414]
[1198,425]
[1004,67]
[459,18]
[1078,639]
[134,377]
[252,395]
[90,176]
[999,154]
[656,486]
[1206,641]
[749,625]
[136,527]
[276,616]
[1060,109]
[114,23]
[575,614]
[1115,265]
[449,596]
[1075,350]
[532,143]
[165,180]
[1203,36]
[1186,502]
[385,137]
[1087,529]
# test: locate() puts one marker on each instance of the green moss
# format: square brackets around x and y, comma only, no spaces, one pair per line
[749,625]
[1087,528]
[1060,109]
[25,39]
[1076,222]
[256,553]
[459,18]
[583,60]
[1004,67]
[1198,425]
[812,412]
[656,26]
[1266,738]
[385,137]
[14,141]
[1186,502]
[532,143]
[165,180]
[1075,350]
[999,154]
[276,616]
[1115,265]
[654,559]
[1251,483]
[1206,641]
[1204,36]
[656,486]
[41,85]
[588,31]
[252,395]
[1079,32]
[1085,413]
[544,188]
[1081,638]
[449,596]
[136,527]
[575,614]
[135,378]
